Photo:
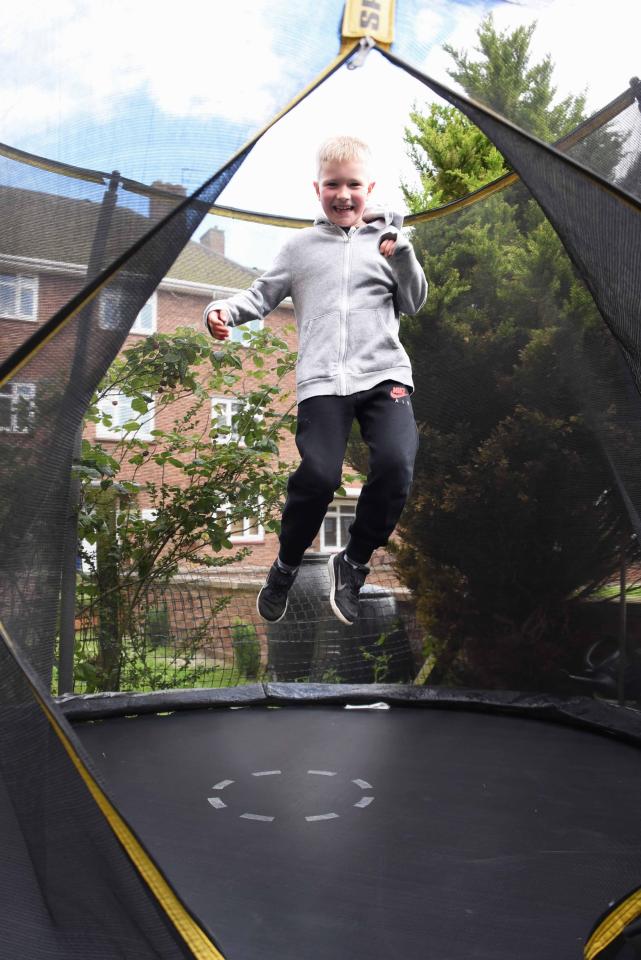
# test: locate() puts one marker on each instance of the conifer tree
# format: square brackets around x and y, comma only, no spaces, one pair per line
[504,79]
[514,515]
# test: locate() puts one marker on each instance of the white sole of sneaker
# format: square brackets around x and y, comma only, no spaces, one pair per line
[265,618]
[332,593]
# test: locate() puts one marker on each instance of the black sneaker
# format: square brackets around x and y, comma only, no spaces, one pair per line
[271,602]
[345,582]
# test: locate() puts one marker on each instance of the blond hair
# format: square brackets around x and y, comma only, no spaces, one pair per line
[343,149]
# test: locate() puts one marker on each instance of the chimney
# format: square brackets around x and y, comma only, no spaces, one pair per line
[159,207]
[214,241]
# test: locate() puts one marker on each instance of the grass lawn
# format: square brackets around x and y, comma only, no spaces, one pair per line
[161,668]
[613,592]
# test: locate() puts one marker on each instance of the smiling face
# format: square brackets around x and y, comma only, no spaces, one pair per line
[343,188]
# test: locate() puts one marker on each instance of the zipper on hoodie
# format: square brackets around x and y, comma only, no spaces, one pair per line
[342,355]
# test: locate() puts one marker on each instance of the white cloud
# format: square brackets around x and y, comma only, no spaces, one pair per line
[593,45]
[64,59]
[78,59]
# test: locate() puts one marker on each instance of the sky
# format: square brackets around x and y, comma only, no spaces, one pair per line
[169,96]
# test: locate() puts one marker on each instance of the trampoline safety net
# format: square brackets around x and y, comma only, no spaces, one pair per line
[511,579]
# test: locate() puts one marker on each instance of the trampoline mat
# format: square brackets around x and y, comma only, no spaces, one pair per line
[323,832]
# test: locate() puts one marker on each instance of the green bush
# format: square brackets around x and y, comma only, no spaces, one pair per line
[246,648]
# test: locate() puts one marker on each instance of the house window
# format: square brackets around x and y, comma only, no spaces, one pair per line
[145,322]
[243,529]
[335,528]
[18,297]
[109,308]
[225,412]
[88,553]
[237,334]
[112,305]
[246,529]
[17,407]
[117,406]
[86,561]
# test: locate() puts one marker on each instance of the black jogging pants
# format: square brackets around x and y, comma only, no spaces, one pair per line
[387,425]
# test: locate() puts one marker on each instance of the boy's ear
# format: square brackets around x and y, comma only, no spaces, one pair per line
[316,189]
[371,187]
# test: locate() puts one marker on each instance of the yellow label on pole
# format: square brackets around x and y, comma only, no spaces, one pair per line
[369,18]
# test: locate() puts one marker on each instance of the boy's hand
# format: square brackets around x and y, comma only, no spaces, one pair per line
[217,321]
[387,244]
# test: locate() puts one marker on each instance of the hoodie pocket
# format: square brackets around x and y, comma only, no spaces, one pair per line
[371,344]
[318,347]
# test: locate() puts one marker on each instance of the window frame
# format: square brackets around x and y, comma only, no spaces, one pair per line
[152,303]
[22,280]
[236,333]
[11,391]
[116,433]
[147,514]
[228,403]
[114,295]
[334,509]
[248,524]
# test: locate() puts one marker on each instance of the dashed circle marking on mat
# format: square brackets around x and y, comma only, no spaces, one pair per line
[217,804]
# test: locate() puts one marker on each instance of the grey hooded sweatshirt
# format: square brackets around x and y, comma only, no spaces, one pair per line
[347,298]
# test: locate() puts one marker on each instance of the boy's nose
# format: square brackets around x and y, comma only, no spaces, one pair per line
[343,191]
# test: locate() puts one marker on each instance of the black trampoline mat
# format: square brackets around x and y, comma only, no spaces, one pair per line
[320,832]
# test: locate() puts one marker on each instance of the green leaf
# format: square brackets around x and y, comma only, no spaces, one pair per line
[140,405]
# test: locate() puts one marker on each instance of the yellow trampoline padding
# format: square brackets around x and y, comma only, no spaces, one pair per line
[613,925]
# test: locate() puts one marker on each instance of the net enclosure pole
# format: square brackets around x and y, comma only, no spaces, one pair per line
[70,546]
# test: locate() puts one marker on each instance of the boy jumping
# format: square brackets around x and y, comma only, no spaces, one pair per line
[349,277]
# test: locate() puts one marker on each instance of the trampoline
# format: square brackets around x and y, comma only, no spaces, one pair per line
[299,821]
[319,822]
